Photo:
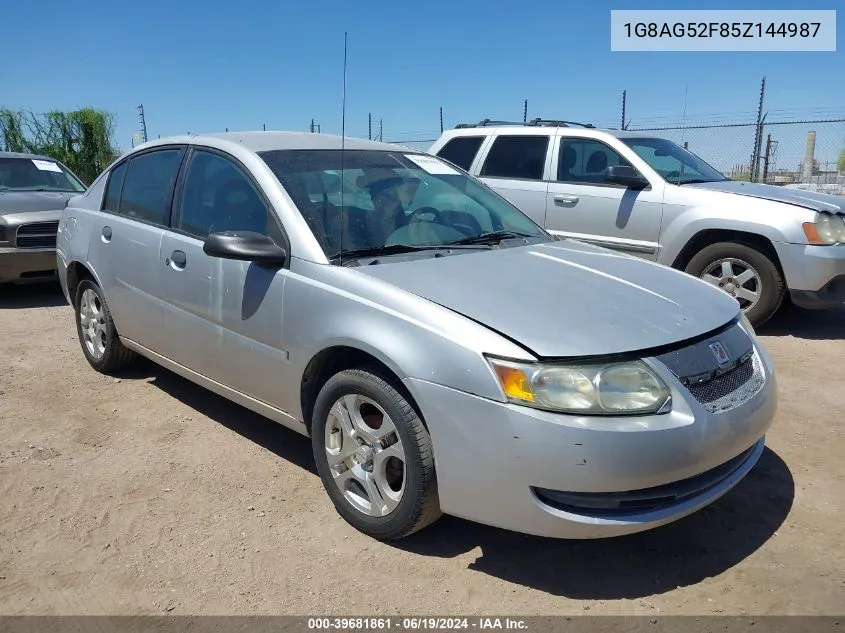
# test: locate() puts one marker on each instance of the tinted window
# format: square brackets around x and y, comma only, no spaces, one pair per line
[148,184]
[586,160]
[36,174]
[461,151]
[112,197]
[517,157]
[218,197]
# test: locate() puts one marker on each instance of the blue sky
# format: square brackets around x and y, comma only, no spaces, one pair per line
[204,66]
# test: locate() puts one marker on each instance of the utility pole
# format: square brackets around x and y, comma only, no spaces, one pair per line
[370,126]
[312,126]
[624,103]
[264,127]
[441,119]
[525,112]
[766,157]
[758,136]
[142,121]
[380,130]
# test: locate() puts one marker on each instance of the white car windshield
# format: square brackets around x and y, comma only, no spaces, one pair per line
[393,199]
[673,162]
[25,174]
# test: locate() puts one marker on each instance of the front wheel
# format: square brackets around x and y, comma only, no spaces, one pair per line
[743,272]
[374,456]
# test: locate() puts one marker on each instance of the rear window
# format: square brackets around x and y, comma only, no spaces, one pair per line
[522,157]
[461,151]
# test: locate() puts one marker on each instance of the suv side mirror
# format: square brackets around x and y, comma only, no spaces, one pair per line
[626,176]
[245,246]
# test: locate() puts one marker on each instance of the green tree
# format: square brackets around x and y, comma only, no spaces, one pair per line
[841,162]
[82,139]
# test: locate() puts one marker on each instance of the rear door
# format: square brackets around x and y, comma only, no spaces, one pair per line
[583,205]
[124,250]
[516,166]
[223,318]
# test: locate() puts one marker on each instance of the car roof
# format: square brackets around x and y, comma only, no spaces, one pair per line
[261,141]
[27,156]
[475,130]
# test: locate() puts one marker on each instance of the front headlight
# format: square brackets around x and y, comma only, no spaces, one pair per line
[621,388]
[828,228]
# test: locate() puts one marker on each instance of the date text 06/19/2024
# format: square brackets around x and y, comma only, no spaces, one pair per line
[415,624]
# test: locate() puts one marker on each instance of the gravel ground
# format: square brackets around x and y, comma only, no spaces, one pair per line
[145,494]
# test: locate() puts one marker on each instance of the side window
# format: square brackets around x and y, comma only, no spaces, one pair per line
[517,157]
[111,200]
[218,197]
[148,185]
[586,161]
[461,150]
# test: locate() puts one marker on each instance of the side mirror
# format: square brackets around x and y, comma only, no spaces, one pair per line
[245,246]
[626,176]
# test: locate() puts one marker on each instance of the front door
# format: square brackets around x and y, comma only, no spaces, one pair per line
[582,205]
[223,317]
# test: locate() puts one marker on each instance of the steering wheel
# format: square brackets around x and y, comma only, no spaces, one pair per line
[416,215]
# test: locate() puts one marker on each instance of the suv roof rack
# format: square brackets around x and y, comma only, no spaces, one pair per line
[533,122]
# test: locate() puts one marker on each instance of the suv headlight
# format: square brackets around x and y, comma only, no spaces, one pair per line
[828,228]
[617,388]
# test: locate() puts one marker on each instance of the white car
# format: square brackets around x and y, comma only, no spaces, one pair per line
[648,196]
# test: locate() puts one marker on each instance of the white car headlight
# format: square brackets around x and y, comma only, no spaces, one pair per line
[827,229]
[621,388]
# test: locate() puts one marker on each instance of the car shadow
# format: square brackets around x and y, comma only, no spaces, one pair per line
[822,325]
[285,443]
[683,553]
[700,546]
[34,295]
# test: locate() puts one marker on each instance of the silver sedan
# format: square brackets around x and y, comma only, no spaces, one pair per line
[444,353]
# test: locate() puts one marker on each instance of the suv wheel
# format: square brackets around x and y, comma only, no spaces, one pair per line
[97,334]
[374,456]
[743,272]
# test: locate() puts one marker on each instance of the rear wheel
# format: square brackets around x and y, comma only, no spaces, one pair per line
[97,333]
[374,456]
[743,272]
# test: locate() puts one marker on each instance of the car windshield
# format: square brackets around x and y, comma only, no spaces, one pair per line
[673,162]
[26,174]
[394,201]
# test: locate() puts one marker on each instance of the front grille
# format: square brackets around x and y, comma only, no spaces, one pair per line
[37,235]
[732,388]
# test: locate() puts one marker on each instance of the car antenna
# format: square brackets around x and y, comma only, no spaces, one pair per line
[342,148]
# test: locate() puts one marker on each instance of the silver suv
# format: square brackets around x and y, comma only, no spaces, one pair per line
[650,197]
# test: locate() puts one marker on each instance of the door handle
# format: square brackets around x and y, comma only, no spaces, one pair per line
[106,233]
[564,199]
[177,259]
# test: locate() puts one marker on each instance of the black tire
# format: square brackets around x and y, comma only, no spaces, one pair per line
[115,356]
[771,280]
[419,505]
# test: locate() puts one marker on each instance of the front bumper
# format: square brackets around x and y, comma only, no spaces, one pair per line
[27,265]
[500,464]
[815,275]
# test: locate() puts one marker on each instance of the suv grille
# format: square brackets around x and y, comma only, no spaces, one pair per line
[37,235]
[732,388]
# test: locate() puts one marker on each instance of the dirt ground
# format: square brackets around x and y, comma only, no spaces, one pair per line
[145,494]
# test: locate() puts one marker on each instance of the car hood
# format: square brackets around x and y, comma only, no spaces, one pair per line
[567,298]
[798,197]
[12,202]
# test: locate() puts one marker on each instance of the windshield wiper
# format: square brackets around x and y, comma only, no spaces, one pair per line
[493,237]
[700,180]
[393,249]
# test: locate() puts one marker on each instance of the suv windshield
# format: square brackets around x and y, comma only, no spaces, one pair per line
[32,174]
[393,199]
[673,162]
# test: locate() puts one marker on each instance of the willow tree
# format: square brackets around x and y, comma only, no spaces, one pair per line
[81,139]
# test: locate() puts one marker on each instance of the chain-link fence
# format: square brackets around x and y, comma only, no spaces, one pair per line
[802,154]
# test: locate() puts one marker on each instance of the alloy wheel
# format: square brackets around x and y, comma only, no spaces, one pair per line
[737,278]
